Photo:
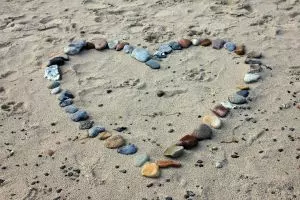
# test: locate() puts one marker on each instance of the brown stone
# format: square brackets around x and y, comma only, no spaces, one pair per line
[205,42]
[100,43]
[121,45]
[240,50]
[168,163]
[220,110]
[185,43]
[104,135]
[49,152]
[188,141]
[243,87]
[114,142]
[89,46]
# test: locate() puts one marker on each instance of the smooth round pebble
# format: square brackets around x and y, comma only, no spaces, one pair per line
[80,115]
[237,99]
[104,135]
[128,48]
[114,142]
[243,93]
[100,43]
[251,78]
[75,47]
[94,131]
[56,90]
[66,94]
[121,45]
[153,64]
[230,46]
[203,132]
[141,54]
[240,50]
[150,170]
[65,102]
[141,159]
[127,149]
[196,41]
[205,42]
[227,104]
[185,43]
[71,109]
[212,121]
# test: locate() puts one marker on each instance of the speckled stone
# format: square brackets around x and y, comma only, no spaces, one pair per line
[75,47]
[87,124]
[196,41]
[65,102]
[237,99]
[112,44]
[203,132]
[100,43]
[114,142]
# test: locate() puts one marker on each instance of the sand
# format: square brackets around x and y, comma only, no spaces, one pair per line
[194,79]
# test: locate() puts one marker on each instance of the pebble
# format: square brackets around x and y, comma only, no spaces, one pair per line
[240,50]
[128,149]
[94,131]
[75,47]
[251,78]
[66,94]
[174,151]
[175,45]
[188,141]
[228,105]
[80,115]
[100,43]
[50,152]
[89,45]
[219,164]
[185,43]
[71,109]
[252,61]
[212,121]
[153,64]
[150,170]
[121,45]
[243,93]
[218,43]
[205,42]
[65,102]
[254,69]
[141,54]
[203,132]
[220,110]
[55,90]
[243,87]
[159,54]
[168,163]
[86,124]
[104,135]
[121,129]
[254,54]
[230,46]
[52,73]
[237,99]
[196,41]
[160,93]
[141,159]
[165,48]
[112,44]
[114,142]
[54,84]
[128,48]
[59,61]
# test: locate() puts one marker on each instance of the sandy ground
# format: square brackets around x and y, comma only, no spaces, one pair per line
[195,80]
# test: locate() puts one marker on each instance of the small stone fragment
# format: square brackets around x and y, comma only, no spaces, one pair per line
[230,46]
[52,73]
[220,110]
[196,41]
[114,142]
[251,78]
[104,135]
[212,121]
[54,84]
[128,149]
[71,109]
[203,132]
[150,170]
[75,47]
[80,115]
[237,99]
[205,42]
[168,163]
[86,124]
[160,93]
[141,54]
[175,45]
[100,43]
[185,43]
[240,50]
[153,64]
[128,48]
[188,141]
[50,152]
[112,44]
[121,45]
[174,151]
[55,90]
[141,159]
[228,105]
[218,43]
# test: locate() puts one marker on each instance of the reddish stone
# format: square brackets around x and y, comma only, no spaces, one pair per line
[89,46]
[220,110]
[168,163]
[240,50]
[121,45]
[100,43]
[205,42]
[185,43]
[188,141]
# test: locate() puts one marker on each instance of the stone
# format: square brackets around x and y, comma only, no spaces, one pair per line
[240,50]
[141,54]
[165,48]
[49,152]
[160,93]
[114,142]
[205,42]
[227,104]
[252,61]
[55,90]
[230,46]
[100,43]
[220,110]
[59,61]
[65,102]
[218,43]
[153,64]
[243,93]
[159,54]
[196,41]
[121,45]
[188,141]
[168,163]
[243,87]
[104,135]
[237,99]
[175,45]
[254,54]
[89,46]
[185,43]
[71,109]
[127,149]
[66,94]
[254,69]
[75,47]
[87,124]
[141,159]
[219,164]
[112,44]
[150,170]
[212,121]
[251,78]
[128,48]
[80,115]
[203,132]
[174,151]
[52,73]
[54,84]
